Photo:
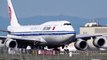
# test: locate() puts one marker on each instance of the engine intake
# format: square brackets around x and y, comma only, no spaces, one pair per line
[11,43]
[1,43]
[100,42]
[81,44]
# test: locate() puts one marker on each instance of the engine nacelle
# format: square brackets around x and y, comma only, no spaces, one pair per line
[1,43]
[91,45]
[81,44]
[100,42]
[11,43]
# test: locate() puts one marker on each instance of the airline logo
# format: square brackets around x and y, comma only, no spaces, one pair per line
[10,12]
[53,28]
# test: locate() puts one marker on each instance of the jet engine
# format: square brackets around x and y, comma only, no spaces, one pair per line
[100,42]
[1,43]
[81,44]
[11,43]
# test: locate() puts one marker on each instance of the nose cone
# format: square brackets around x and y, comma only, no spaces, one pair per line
[71,28]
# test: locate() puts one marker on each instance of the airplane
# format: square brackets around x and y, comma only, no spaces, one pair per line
[52,34]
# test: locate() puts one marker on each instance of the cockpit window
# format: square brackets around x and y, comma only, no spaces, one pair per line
[67,23]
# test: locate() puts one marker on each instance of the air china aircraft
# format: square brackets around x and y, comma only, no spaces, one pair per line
[52,34]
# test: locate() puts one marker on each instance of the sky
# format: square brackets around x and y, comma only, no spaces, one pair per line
[78,8]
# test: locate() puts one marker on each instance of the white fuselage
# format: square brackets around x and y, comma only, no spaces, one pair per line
[49,33]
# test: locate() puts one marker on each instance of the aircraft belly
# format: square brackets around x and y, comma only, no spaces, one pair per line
[58,39]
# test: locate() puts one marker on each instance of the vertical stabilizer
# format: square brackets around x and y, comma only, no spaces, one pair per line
[13,19]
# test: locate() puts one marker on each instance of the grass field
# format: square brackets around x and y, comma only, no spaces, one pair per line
[73,55]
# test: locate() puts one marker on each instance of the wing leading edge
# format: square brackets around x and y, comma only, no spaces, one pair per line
[86,36]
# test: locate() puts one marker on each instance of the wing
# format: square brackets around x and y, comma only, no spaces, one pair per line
[18,41]
[5,31]
[17,38]
[86,36]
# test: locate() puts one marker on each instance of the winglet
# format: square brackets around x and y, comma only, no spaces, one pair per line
[13,19]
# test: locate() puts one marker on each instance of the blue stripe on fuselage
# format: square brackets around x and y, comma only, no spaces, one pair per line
[39,33]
